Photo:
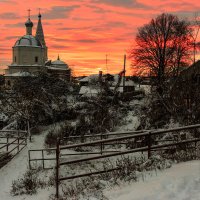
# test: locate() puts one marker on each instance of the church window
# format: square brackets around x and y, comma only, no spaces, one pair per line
[36,59]
[15,59]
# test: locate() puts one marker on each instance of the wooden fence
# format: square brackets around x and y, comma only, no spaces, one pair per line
[12,142]
[150,146]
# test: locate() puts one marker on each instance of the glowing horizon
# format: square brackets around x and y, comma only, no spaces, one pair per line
[83,32]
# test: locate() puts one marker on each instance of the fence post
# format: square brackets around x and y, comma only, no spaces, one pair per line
[57,167]
[149,145]
[7,141]
[43,158]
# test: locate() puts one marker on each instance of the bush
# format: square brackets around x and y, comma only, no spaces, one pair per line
[53,135]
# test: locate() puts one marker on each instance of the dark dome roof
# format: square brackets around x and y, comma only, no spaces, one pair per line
[29,23]
[28,40]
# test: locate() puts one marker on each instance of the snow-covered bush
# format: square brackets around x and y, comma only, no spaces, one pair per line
[41,99]
[130,169]
[30,182]
[26,185]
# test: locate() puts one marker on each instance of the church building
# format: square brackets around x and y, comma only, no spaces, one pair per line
[30,56]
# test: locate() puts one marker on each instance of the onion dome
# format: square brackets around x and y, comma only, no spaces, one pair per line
[29,23]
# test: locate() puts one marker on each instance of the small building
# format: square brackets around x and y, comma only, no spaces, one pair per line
[88,79]
[90,84]
[60,69]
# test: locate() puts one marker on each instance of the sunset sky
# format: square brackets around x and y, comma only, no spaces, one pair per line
[82,32]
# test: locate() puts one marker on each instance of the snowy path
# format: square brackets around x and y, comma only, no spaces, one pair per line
[16,167]
[181,182]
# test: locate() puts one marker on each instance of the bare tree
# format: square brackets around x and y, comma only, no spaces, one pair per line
[162,46]
[196,24]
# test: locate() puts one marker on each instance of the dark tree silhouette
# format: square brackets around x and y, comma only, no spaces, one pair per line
[162,46]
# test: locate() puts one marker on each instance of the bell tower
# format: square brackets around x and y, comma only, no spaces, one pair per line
[40,35]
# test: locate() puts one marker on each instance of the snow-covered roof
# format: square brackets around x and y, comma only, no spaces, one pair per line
[19,74]
[113,83]
[89,90]
[127,82]
[58,62]
[88,78]
[56,68]
[26,65]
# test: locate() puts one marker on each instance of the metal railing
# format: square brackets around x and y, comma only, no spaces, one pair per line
[81,139]
[42,159]
[150,146]
[11,140]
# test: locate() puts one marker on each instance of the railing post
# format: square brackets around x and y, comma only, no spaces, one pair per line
[26,136]
[29,132]
[18,140]
[149,145]
[43,158]
[101,145]
[57,167]
[7,141]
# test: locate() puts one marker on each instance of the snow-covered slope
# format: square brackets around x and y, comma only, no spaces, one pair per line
[181,182]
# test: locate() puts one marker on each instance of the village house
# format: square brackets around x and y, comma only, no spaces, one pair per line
[89,86]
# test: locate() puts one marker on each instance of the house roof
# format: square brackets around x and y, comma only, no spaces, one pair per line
[88,78]
[89,91]
[191,71]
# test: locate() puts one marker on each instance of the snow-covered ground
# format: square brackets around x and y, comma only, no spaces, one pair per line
[181,182]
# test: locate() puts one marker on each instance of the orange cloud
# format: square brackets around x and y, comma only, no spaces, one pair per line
[84,31]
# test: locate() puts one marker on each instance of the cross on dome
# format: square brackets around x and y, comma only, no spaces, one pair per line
[29,13]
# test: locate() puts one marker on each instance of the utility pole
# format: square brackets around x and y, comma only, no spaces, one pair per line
[124,72]
[107,63]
